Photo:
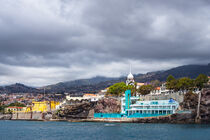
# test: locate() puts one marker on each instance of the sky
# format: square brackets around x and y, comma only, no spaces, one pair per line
[44,42]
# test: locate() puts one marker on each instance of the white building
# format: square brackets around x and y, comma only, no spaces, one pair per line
[156,107]
[130,79]
[161,90]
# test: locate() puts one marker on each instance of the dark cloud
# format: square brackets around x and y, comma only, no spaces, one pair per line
[84,38]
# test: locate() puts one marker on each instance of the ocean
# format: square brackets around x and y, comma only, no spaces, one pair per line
[35,130]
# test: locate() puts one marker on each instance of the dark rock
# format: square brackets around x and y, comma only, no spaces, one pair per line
[190,101]
[108,105]
[77,111]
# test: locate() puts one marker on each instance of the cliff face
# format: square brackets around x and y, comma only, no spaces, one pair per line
[108,105]
[205,106]
[190,102]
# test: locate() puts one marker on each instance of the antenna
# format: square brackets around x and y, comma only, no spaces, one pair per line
[130,68]
[44,94]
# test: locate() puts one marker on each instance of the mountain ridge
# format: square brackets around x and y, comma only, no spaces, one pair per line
[97,83]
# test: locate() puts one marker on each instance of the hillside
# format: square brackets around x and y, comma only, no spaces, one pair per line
[18,88]
[97,83]
[191,71]
[79,85]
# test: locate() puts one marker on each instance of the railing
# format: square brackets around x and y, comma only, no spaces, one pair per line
[135,115]
[108,115]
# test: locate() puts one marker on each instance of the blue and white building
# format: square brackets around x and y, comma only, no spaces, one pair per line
[131,105]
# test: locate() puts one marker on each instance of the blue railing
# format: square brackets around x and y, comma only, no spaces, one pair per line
[108,115]
[118,115]
[138,115]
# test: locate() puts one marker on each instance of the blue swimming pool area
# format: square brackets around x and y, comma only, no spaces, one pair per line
[133,107]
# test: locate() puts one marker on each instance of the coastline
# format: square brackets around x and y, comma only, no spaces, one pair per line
[161,119]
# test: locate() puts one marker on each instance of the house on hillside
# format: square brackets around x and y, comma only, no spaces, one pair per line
[161,90]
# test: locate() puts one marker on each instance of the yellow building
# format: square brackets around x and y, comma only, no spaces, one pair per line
[44,106]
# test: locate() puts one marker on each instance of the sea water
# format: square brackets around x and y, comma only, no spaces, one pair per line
[34,130]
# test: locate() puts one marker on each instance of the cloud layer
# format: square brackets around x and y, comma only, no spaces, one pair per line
[47,41]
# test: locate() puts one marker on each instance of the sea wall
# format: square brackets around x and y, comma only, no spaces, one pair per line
[28,116]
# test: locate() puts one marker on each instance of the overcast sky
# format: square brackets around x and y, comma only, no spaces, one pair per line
[48,41]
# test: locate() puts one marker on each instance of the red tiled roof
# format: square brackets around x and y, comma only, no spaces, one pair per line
[157,88]
[15,107]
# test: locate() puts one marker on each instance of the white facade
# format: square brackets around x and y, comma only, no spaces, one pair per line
[161,90]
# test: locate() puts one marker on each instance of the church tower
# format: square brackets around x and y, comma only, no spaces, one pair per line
[130,78]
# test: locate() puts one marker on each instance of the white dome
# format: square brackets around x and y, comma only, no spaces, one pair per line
[130,76]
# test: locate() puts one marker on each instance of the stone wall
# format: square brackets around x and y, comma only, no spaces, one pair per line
[179,97]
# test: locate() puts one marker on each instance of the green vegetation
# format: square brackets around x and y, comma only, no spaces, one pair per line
[171,82]
[186,83]
[200,80]
[155,83]
[17,104]
[2,107]
[145,89]
[119,88]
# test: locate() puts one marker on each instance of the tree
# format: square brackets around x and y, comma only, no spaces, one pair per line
[155,83]
[119,88]
[171,82]
[200,80]
[2,107]
[145,89]
[17,104]
[170,78]
[184,83]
